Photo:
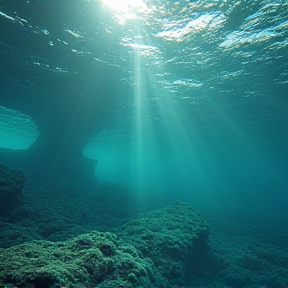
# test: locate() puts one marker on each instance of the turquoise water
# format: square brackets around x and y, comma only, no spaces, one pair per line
[183,100]
[113,108]
[17,130]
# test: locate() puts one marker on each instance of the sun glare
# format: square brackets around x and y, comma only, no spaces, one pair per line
[125,10]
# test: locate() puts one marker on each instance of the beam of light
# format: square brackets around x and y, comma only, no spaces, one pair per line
[187,173]
[137,145]
[162,161]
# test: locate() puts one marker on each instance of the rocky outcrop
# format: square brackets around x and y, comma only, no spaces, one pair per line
[162,248]
[11,184]
[175,238]
[90,258]
[67,110]
[158,248]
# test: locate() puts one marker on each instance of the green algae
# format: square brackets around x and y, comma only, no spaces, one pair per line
[170,237]
[92,257]
[156,248]
[161,248]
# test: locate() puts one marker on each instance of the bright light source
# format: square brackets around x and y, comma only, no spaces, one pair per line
[124,6]
[125,10]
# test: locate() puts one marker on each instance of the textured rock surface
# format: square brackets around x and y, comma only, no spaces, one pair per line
[92,257]
[163,248]
[175,238]
[160,246]
[11,184]
[58,211]
[244,261]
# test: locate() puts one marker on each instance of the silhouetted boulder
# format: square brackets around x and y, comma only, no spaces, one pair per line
[11,184]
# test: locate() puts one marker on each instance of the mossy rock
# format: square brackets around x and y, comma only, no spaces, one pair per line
[92,257]
[159,247]
[175,238]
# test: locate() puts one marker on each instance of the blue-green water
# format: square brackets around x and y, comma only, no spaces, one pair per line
[112,108]
[184,100]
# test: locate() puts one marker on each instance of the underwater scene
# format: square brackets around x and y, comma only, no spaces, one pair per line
[143,143]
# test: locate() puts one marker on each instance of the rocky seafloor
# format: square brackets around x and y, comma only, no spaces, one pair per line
[58,237]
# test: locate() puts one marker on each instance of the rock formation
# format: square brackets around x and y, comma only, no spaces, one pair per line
[11,184]
[159,247]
